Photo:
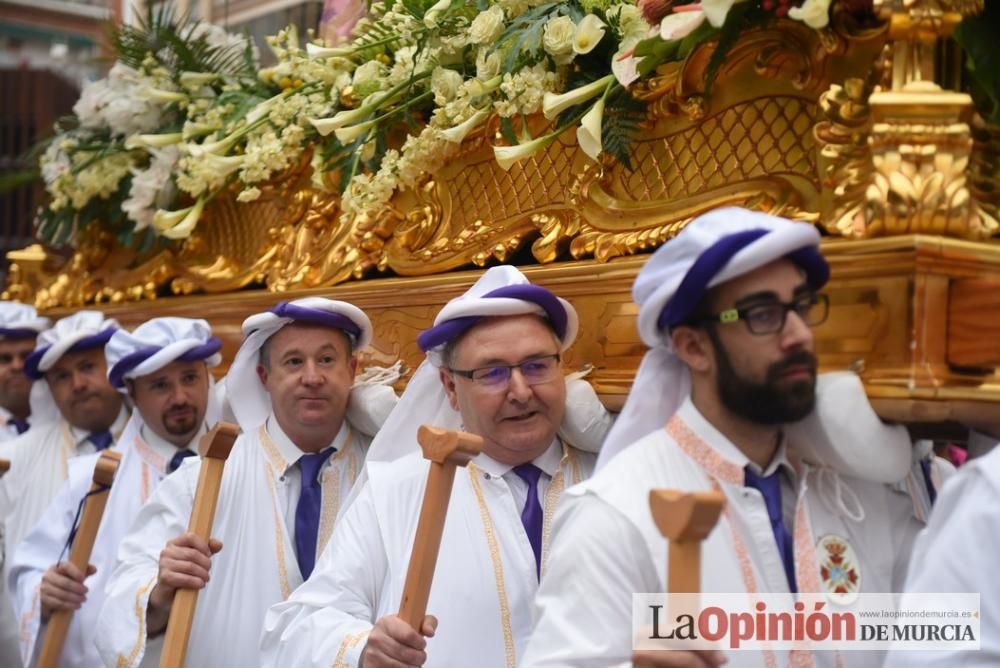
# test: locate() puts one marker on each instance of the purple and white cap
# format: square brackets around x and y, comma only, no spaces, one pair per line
[714,248]
[156,343]
[248,399]
[501,291]
[81,331]
[20,321]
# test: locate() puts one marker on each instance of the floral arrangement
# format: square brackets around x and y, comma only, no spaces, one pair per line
[186,114]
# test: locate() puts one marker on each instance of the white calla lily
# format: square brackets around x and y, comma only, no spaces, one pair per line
[317,51]
[553,105]
[589,32]
[352,132]
[197,130]
[153,141]
[432,15]
[224,165]
[196,79]
[814,13]
[163,96]
[220,147]
[588,135]
[457,134]
[506,156]
[263,108]
[178,224]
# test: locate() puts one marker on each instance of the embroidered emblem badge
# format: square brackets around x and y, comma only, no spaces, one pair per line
[839,569]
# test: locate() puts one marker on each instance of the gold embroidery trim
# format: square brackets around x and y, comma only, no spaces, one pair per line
[279,536]
[140,614]
[494,547]
[331,491]
[351,641]
[26,644]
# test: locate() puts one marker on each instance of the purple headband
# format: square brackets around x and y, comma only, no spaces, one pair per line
[449,330]
[93,341]
[714,259]
[117,374]
[17,333]
[318,317]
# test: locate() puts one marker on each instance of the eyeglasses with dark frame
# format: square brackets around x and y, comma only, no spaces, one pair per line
[496,377]
[770,318]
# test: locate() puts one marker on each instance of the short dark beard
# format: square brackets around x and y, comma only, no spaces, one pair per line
[766,403]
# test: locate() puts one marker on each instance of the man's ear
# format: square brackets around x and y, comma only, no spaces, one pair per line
[262,374]
[693,346]
[130,389]
[448,381]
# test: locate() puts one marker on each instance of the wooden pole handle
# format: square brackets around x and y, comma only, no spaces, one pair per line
[446,450]
[4,466]
[83,544]
[215,448]
[685,519]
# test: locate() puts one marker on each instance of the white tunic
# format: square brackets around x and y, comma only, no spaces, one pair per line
[8,432]
[142,468]
[38,466]
[484,581]
[606,547]
[957,553]
[256,567]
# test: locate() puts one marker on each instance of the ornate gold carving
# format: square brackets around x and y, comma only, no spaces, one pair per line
[895,162]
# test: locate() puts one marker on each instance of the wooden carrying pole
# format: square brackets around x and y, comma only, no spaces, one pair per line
[79,556]
[4,466]
[215,447]
[684,519]
[446,450]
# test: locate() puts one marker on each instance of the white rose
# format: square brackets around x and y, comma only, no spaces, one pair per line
[487,26]
[445,84]
[588,34]
[558,39]
[487,66]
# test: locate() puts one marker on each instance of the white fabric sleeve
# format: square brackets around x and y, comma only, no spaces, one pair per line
[326,621]
[584,603]
[955,553]
[121,628]
[41,549]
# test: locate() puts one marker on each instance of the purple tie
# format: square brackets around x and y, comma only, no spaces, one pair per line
[532,516]
[925,468]
[770,488]
[19,424]
[178,459]
[308,510]
[101,439]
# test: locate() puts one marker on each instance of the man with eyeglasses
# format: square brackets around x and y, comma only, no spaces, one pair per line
[493,369]
[727,308]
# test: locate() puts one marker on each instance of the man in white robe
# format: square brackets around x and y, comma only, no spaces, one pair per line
[494,370]
[19,327]
[71,382]
[727,308]
[284,481]
[164,367]
[957,553]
